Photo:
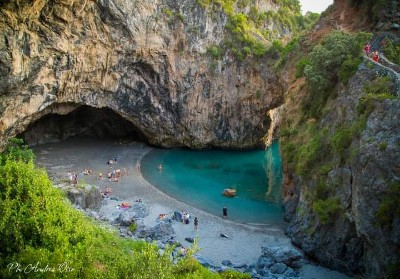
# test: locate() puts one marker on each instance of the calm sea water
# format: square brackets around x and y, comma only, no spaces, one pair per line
[198,178]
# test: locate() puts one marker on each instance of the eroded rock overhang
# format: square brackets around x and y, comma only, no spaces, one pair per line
[156,74]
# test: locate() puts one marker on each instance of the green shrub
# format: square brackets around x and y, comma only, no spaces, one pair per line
[215,51]
[308,153]
[325,169]
[325,62]
[15,149]
[322,190]
[391,50]
[383,146]
[389,207]
[168,12]
[342,139]
[379,86]
[327,58]
[132,227]
[180,17]
[348,69]
[300,66]
[258,93]
[249,26]
[327,209]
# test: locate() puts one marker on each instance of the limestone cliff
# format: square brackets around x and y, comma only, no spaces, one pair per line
[334,199]
[145,60]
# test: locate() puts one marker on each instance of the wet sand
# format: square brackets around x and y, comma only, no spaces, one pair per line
[244,243]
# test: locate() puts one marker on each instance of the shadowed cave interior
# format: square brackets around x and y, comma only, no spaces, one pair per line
[84,121]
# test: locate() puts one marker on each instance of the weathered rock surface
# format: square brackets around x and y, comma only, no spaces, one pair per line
[144,60]
[352,241]
[86,197]
[131,214]
[160,231]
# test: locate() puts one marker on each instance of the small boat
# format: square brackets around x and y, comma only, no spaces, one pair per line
[229,192]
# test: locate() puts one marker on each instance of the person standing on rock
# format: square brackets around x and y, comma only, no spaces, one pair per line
[196,224]
[225,212]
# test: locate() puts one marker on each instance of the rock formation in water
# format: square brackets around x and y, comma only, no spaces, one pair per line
[147,61]
[342,193]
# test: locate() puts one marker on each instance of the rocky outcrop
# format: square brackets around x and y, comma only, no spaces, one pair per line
[146,61]
[351,239]
[85,197]
[332,207]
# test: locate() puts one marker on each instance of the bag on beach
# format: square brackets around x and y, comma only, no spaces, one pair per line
[177,216]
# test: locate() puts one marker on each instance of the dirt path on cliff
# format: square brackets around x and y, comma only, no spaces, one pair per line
[245,242]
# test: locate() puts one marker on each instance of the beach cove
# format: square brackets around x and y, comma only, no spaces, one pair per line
[244,243]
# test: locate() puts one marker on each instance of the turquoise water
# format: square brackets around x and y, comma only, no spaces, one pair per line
[198,178]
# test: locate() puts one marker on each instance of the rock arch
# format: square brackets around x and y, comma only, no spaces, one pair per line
[62,121]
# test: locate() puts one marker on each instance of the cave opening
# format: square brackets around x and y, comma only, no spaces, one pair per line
[83,121]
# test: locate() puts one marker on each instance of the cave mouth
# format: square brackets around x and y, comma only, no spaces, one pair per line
[84,121]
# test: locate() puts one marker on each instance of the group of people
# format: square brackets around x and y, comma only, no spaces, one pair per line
[107,192]
[185,217]
[123,205]
[87,172]
[374,54]
[114,175]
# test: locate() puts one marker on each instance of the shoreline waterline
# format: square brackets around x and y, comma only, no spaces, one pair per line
[198,179]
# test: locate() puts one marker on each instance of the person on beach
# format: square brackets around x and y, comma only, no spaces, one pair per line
[196,224]
[108,190]
[160,167]
[183,251]
[75,181]
[103,195]
[70,177]
[184,217]
[225,212]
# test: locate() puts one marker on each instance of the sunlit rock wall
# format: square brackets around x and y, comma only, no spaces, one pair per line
[145,60]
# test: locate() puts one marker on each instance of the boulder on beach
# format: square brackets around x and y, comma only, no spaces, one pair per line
[160,231]
[129,215]
[285,255]
[86,196]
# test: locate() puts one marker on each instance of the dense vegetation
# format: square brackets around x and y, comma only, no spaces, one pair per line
[391,49]
[254,31]
[43,236]
[310,145]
